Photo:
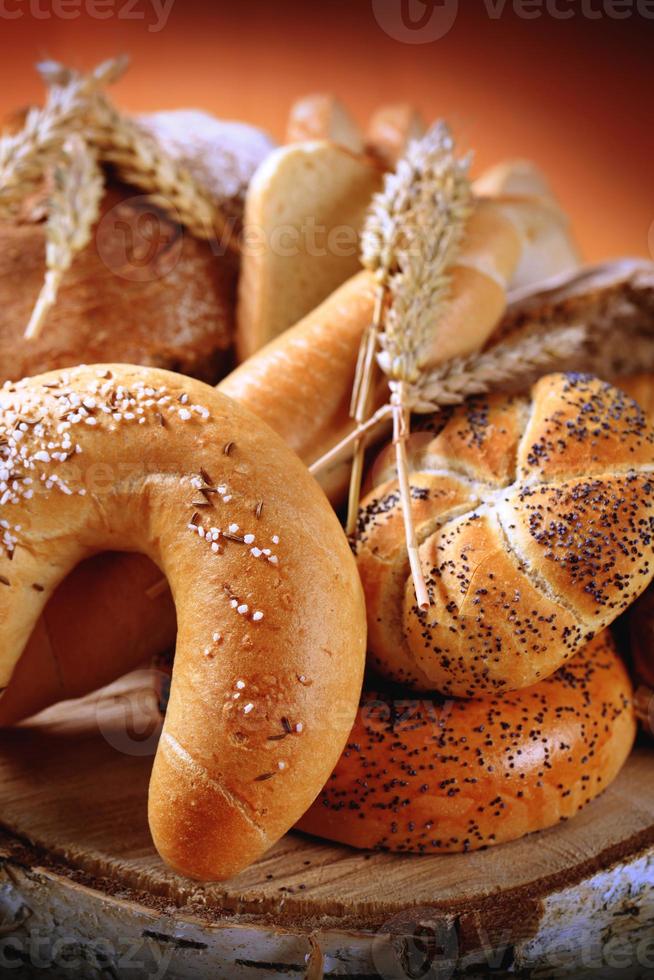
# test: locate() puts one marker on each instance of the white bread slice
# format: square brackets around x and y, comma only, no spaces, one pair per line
[390,130]
[323,117]
[303,213]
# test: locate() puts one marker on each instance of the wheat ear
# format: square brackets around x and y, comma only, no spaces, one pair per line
[73,209]
[26,155]
[510,365]
[140,161]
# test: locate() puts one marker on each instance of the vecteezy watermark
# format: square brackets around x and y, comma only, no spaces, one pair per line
[139,241]
[153,13]
[567,9]
[142,241]
[416,21]
[131,721]
[425,21]
[69,956]
[416,944]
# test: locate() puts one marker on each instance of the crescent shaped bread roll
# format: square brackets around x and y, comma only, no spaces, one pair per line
[434,775]
[271,621]
[535,519]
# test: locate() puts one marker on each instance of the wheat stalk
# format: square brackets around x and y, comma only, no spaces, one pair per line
[140,161]
[73,209]
[410,239]
[509,365]
[26,155]
[504,366]
[76,128]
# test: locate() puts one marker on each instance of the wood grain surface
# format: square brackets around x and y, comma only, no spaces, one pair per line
[73,783]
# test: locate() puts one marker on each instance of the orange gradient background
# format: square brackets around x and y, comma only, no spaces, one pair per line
[573,94]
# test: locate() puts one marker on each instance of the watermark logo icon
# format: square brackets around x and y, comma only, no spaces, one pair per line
[130,721]
[416,21]
[138,241]
[416,945]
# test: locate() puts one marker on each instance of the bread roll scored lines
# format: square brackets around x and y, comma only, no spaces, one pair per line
[271,623]
[535,517]
[434,775]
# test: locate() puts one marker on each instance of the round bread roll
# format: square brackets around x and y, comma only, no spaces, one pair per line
[431,775]
[535,519]
[270,616]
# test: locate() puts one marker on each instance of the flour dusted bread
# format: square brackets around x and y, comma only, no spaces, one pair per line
[271,623]
[171,306]
[534,516]
[144,290]
[434,775]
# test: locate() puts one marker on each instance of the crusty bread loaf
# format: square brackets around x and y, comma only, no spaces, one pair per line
[271,621]
[323,117]
[548,247]
[143,291]
[303,214]
[534,516]
[171,306]
[390,130]
[434,775]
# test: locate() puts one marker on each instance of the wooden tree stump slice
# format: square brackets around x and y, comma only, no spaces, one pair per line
[80,879]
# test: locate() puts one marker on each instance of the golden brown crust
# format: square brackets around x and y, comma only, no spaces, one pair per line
[432,775]
[553,544]
[301,382]
[271,621]
[170,305]
[390,130]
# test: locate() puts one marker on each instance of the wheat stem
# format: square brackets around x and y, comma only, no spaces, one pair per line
[73,209]
[401,428]
[361,397]
[340,449]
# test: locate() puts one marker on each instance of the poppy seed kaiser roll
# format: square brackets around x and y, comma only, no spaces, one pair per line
[535,517]
[434,774]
